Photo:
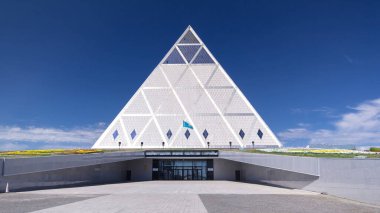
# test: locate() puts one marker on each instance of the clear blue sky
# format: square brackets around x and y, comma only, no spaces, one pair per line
[310,68]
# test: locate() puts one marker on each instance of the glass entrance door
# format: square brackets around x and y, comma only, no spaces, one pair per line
[187,174]
[197,174]
[182,170]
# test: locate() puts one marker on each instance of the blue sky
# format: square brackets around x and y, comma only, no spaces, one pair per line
[310,68]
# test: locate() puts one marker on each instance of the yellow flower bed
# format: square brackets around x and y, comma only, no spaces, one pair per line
[320,151]
[317,151]
[50,152]
[310,150]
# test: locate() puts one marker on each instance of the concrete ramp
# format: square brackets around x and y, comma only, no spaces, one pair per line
[303,165]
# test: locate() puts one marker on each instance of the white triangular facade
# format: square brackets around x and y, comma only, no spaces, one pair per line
[189,85]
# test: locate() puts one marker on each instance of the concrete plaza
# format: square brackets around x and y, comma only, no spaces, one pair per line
[177,196]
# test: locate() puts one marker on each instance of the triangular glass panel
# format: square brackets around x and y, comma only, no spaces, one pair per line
[218,132]
[151,136]
[137,105]
[203,72]
[222,97]
[156,79]
[174,58]
[189,38]
[172,123]
[115,134]
[173,72]
[244,123]
[237,105]
[203,58]
[219,79]
[188,80]
[134,123]
[189,51]
[170,105]
[156,97]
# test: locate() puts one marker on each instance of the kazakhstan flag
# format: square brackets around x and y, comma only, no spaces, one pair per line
[187,125]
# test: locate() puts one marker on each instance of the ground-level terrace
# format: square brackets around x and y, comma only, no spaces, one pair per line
[178,196]
[355,179]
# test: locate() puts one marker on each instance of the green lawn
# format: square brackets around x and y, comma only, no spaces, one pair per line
[48,152]
[303,153]
[318,155]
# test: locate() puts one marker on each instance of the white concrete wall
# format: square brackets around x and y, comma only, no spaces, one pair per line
[95,174]
[305,165]
[225,169]
[260,174]
[357,179]
[141,169]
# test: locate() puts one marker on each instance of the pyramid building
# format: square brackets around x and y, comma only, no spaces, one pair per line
[188,101]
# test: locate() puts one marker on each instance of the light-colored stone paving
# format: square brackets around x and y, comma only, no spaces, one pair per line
[176,197]
[134,203]
[155,196]
[176,187]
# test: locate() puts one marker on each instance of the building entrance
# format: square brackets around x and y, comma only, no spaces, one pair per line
[182,169]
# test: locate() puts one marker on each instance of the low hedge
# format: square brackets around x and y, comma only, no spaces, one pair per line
[374,149]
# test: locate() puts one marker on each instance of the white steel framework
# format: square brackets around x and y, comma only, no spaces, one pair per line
[188,101]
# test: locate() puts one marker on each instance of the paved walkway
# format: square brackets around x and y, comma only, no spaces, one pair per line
[177,196]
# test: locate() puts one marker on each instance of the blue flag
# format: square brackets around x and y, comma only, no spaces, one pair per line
[187,125]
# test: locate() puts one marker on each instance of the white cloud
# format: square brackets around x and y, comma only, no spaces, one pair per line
[12,146]
[325,111]
[15,137]
[360,127]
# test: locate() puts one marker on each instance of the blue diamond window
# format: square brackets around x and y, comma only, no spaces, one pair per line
[169,134]
[205,134]
[187,134]
[260,134]
[241,133]
[133,134]
[115,134]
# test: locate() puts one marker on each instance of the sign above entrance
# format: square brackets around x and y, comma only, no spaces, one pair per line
[182,153]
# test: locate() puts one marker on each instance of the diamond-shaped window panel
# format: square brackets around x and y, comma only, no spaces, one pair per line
[189,51]
[260,134]
[189,38]
[203,58]
[241,133]
[205,134]
[174,58]
[169,134]
[133,134]
[115,134]
[187,134]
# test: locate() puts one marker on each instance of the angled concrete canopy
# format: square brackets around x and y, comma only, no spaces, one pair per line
[188,101]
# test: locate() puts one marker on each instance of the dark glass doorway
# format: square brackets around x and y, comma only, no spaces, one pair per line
[128,175]
[182,169]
